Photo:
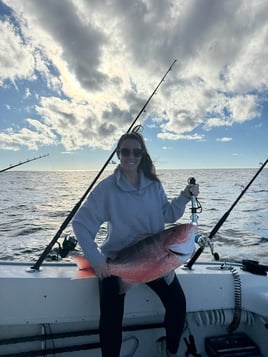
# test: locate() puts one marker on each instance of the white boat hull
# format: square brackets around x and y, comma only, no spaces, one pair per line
[48,313]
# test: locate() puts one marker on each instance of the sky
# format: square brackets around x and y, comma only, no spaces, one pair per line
[75,74]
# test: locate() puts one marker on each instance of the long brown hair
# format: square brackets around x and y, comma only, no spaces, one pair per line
[146,164]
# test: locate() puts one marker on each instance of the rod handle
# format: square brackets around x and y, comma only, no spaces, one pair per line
[194,258]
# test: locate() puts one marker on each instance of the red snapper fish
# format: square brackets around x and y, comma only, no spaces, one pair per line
[149,258]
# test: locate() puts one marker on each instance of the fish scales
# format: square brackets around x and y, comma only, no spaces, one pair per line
[149,258]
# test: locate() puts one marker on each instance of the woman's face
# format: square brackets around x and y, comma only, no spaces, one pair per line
[130,154]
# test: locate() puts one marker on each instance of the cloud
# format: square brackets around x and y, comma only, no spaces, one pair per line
[94,64]
[224,139]
[173,136]
[216,122]
[17,60]
[80,43]
[35,136]
[77,123]
[244,108]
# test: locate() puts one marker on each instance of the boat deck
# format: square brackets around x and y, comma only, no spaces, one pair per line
[33,302]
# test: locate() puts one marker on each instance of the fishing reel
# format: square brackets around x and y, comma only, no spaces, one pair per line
[67,246]
[201,240]
[220,223]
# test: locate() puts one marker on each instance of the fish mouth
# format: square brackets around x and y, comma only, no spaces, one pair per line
[177,253]
[181,250]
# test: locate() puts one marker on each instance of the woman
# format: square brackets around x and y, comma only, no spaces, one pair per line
[133,202]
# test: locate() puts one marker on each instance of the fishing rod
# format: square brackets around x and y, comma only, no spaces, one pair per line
[24,162]
[196,208]
[221,221]
[42,257]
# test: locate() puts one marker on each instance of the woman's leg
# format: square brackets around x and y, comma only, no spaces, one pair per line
[111,316]
[173,299]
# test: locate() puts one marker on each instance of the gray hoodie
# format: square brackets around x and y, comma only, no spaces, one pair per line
[129,211]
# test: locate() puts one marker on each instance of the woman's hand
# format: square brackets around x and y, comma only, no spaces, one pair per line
[191,189]
[102,270]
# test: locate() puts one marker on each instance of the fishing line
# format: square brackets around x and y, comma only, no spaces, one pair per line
[223,219]
[42,257]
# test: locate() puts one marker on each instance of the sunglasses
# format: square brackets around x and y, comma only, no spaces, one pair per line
[136,152]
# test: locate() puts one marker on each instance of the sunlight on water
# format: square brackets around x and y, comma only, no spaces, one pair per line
[35,204]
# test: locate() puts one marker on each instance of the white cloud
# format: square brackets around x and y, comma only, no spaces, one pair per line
[32,137]
[103,59]
[17,61]
[224,139]
[244,108]
[172,136]
[216,122]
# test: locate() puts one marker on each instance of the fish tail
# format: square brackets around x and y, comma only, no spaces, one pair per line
[85,269]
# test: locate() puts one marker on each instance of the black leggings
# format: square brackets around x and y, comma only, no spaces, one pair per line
[112,310]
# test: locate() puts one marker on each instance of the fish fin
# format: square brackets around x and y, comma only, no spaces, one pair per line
[81,262]
[85,269]
[83,274]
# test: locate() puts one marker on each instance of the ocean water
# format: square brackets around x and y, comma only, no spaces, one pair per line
[34,204]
